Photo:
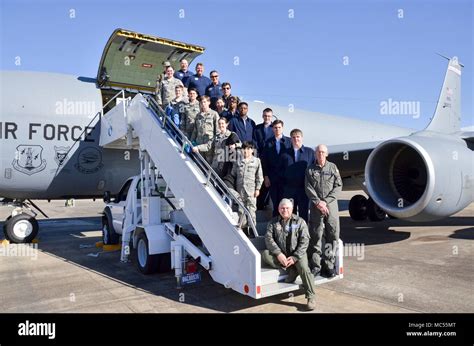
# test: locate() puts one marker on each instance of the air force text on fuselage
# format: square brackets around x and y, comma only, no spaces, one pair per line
[48,132]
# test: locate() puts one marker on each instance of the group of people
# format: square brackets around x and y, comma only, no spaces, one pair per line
[257,162]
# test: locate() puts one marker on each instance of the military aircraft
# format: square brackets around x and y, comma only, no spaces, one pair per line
[49,140]
[414,175]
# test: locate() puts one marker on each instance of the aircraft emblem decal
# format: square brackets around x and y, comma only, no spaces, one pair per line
[29,159]
[89,160]
[60,155]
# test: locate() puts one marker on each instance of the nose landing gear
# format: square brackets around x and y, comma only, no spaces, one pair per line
[22,226]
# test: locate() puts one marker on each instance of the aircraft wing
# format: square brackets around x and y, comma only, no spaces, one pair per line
[351,158]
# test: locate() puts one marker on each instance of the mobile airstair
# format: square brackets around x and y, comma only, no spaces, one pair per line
[231,257]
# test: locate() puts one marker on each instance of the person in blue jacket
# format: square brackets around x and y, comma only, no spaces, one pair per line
[294,162]
[273,150]
[214,90]
[261,134]
[243,126]
[183,74]
[263,131]
[232,111]
[198,81]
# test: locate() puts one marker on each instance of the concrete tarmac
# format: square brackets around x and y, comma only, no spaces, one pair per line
[390,266]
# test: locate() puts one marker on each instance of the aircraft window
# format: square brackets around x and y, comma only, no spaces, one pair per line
[122,196]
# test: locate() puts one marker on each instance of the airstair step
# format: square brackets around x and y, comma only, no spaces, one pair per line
[278,288]
[262,228]
[259,243]
[270,275]
[264,215]
[271,289]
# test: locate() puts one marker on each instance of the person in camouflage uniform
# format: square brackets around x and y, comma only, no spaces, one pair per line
[287,240]
[166,88]
[175,109]
[191,110]
[205,128]
[219,149]
[249,179]
[322,185]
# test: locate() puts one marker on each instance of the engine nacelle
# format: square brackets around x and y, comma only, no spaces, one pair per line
[423,177]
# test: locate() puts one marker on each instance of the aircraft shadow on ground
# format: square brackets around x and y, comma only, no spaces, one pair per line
[466,233]
[369,233]
[388,230]
[67,245]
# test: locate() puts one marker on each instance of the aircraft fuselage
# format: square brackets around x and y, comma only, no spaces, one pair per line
[49,139]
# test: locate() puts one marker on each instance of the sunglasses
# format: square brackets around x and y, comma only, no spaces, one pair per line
[226,88]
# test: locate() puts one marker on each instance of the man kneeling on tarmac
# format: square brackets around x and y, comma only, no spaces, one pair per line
[287,240]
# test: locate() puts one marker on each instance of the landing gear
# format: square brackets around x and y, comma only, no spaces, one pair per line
[374,212]
[21,228]
[358,208]
[361,208]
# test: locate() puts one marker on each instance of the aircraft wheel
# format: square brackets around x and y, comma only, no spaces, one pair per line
[21,228]
[358,208]
[374,212]
[147,264]
[5,224]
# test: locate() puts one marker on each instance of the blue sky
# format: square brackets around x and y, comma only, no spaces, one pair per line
[336,57]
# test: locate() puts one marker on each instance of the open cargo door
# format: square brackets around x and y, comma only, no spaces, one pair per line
[134,61]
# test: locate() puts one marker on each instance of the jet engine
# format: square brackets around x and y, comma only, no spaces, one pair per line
[422,177]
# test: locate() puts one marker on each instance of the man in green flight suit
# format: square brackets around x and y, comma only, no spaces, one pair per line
[322,185]
[287,240]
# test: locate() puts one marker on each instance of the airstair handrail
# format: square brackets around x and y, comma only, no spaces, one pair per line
[121,92]
[212,177]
